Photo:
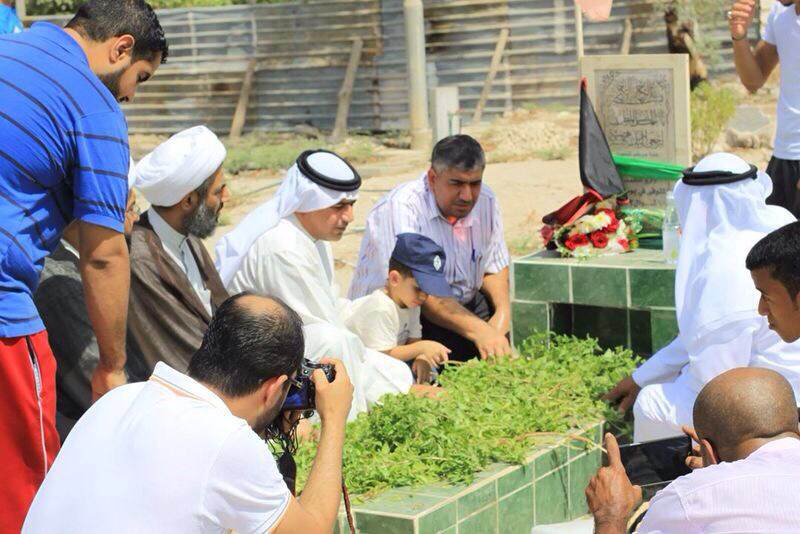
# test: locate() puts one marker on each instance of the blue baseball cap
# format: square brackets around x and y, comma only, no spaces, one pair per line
[426,261]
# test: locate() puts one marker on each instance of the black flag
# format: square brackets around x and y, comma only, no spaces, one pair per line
[598,171]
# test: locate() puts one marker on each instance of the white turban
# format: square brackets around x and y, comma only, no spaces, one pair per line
[719,226]
[297,193]
[179,165]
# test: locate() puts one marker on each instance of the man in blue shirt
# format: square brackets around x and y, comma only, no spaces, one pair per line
[9,22]
[64,155]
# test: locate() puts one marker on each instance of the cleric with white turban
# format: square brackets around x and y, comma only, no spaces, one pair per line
[722,210]
[175,287]
[179,165]
[282,249]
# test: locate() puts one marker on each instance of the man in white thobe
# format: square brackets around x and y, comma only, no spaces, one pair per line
[282,249]
[723,213]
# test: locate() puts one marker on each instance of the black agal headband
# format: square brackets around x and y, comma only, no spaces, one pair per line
[329,182]
[717,177]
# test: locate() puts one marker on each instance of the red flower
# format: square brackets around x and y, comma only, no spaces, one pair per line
[547,232]
[624,244]
[599,239]
[576,241]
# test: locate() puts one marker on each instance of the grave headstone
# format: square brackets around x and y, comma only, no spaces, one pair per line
[444,110]
[642,103]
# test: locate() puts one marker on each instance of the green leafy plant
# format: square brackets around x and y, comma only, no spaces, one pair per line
[491,412]
[712,108]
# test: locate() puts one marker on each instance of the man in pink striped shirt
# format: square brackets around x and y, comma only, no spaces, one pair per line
[450,205]
[746,420]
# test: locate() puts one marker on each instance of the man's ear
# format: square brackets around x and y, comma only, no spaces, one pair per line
[394,278]
[189,202]
[272,387]
[710,457]
[122,49]
[431,175]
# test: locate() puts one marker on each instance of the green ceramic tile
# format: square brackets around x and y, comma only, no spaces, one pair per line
[528,318]
[552,498]
[580,471]
[552,459]
[438,520]
[542,283]
[641,335]
[367,523]
[451,530]
[440,489]
[599,286]
[514,480]
[476,499]
[652,287]
[561,318]
[398,501]
[664,328]
[515,512]
[608,325]
[484,522]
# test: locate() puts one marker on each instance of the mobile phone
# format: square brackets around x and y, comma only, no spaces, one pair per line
[656,463]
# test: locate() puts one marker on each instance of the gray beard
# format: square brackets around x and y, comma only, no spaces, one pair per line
[202,222]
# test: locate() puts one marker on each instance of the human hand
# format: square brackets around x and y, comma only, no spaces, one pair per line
[333,399]
[422,368]
[610,495]
[104,381]
[435,352]
[625,392]
[740,18]
[500,322]
[695,458]
[492,344]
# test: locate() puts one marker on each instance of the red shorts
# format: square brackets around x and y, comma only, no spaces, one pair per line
[28,438]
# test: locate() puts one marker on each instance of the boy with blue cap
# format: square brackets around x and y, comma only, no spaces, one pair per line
[388,319]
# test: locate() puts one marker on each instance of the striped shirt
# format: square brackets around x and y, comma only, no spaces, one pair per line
[63,155]
[474,246]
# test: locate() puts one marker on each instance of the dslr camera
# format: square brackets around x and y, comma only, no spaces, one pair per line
[302,396]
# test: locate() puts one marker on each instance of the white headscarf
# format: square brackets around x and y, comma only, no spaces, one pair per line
[296,194]
[720,224]
[179,165]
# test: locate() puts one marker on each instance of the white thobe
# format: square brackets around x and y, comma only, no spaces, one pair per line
[674,376]
[176,245]
[286,262]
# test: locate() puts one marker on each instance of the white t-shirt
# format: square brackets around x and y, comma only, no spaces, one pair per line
[783,31]
[380,323]
[165,455]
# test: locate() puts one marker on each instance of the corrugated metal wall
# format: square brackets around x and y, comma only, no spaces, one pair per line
[303,48]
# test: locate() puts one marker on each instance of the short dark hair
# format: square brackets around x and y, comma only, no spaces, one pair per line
[242,348]
[460,152]
[779,251]
[100,20]
[402,268]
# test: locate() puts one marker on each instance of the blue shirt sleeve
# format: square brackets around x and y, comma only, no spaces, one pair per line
[100,174]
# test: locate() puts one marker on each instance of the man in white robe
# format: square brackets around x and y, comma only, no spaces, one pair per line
[282,249]
[723,213]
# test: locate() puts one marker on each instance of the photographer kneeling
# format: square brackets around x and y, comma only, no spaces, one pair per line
[180,453]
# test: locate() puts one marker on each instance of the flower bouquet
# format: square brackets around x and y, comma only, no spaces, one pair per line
[599,229]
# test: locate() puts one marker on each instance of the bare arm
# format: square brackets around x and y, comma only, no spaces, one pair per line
[435,352]
[496,289]
[448,313]
[105,271]
[318,507]
[753,67]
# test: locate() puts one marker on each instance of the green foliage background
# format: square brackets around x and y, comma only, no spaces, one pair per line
[50,7]
[491,412]
[712,107]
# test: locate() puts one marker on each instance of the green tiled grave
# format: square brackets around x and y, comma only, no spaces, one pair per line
[511,499]
[624,300]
